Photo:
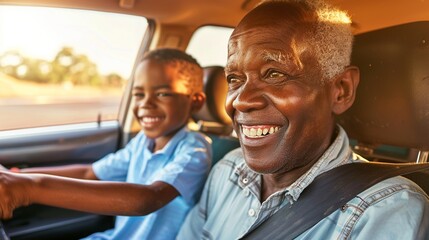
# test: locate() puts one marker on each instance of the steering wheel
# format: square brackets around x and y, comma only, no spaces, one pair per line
[3,235]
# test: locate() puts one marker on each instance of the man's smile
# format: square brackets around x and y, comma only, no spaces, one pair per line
[258,131]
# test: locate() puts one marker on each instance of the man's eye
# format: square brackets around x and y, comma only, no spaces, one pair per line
[274,74]
[232,79]
[276,77]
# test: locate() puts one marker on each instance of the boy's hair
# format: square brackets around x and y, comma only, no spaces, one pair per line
[187,66]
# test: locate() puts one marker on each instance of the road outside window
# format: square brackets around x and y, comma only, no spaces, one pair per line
[62,66]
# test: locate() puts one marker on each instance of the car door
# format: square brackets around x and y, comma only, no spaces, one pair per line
[63,100]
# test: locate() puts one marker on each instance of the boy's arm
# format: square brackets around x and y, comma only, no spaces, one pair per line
[86,171]
[108,198]
[81,171]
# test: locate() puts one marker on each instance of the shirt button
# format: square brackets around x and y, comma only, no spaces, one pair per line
[245,180]
[251,212]
[246,192]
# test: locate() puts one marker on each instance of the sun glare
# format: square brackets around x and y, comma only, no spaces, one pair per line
[109,40]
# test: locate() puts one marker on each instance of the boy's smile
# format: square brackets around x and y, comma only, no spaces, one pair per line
[150,122]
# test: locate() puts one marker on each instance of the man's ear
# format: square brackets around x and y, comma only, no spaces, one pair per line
[344,89]
[198,100]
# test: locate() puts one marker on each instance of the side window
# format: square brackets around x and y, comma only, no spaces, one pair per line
[209,45]
[62,66]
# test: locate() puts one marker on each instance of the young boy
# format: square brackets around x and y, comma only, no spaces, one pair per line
[158,174]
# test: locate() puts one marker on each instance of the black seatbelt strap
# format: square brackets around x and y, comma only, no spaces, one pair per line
[327,193]
[3,235]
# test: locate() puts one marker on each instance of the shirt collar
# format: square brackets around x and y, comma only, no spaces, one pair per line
[170,147]
[337,154]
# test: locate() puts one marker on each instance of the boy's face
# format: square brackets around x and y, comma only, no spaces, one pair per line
[163,101]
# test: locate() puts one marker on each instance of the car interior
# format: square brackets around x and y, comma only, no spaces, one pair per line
[387,123]
[389,118]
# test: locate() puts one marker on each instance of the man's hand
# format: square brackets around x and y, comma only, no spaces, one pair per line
[13,192]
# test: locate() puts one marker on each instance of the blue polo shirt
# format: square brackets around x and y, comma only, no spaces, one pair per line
[183,163]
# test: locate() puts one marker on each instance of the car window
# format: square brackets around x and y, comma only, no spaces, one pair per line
[209,45]
[61,66]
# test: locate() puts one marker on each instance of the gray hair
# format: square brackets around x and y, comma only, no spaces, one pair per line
[333,38]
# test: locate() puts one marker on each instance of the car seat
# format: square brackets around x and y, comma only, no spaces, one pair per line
[212,119]
[389,120]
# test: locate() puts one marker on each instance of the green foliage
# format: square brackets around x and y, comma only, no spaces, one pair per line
[67,67]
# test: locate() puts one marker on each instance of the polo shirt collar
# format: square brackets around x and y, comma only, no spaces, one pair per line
[170,147]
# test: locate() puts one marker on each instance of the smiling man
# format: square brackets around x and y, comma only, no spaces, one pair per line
[289,75]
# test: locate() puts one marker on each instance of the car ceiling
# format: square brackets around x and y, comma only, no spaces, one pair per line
[367,14]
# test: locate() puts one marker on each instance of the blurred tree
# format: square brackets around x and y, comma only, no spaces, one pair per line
[9,62]
[66,68]
[114,80]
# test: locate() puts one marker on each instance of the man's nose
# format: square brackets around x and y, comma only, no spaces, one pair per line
[250,97]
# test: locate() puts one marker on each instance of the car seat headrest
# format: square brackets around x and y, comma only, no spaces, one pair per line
[213,117]
[392,101]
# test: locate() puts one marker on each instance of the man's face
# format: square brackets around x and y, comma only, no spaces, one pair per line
[162,99]
[281,112]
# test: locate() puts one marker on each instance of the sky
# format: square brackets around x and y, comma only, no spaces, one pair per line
[109,40]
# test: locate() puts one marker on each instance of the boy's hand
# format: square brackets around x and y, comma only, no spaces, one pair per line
[13,192]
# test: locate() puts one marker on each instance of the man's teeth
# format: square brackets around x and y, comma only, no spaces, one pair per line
[259,132]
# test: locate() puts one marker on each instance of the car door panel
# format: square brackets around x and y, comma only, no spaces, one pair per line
[59,145]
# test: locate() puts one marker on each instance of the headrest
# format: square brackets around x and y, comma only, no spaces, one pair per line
[392,102]
[213,111]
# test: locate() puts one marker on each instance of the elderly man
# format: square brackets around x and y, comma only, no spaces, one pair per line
[289,74]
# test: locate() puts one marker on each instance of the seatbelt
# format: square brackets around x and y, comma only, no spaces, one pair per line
[3,235]
[327,193]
